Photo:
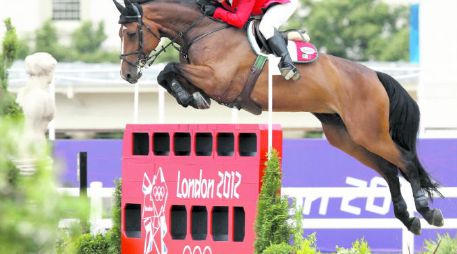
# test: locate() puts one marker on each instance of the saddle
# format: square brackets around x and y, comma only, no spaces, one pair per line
[298,43]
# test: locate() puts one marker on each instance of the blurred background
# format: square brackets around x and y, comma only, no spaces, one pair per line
[92,100]
[415,41]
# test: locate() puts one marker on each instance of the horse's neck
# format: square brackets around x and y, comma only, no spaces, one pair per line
[175,18]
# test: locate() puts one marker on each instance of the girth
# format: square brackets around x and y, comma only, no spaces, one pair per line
[244,101]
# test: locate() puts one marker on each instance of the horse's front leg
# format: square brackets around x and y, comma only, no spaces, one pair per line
[168,79]
[182,89]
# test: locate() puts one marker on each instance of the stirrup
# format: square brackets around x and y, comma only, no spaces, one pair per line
[290,72]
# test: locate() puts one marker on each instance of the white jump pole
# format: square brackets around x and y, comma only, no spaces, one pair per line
[135,103]
[234,115]
[161,105]
[270,103]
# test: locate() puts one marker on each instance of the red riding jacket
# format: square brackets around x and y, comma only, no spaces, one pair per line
[238,13]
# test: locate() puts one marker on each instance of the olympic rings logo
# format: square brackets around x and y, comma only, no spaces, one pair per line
[158,192]
[197,250]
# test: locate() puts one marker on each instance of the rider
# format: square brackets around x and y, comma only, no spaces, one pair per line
[275,13]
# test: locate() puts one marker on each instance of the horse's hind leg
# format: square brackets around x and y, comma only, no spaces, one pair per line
[400,208]
[338,136]
[432,216]
[368,125]
[421,200]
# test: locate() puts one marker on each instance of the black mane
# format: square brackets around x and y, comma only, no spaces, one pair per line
[129,15]
[168,1]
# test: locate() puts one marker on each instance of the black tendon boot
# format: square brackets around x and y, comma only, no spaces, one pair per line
[286,66]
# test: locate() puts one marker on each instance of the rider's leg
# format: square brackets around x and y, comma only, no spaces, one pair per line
[273,18]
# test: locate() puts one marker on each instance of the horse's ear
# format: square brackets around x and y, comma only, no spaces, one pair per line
[119,6]
[128,4]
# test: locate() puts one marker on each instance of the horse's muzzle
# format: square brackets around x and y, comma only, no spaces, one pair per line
[132,78]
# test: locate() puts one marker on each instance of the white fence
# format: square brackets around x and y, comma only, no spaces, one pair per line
[306,196]
[95,194]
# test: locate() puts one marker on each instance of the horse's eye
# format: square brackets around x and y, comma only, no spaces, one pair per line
[131,34]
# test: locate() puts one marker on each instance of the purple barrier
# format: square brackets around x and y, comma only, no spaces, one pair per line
[103,160]
[314,163]
[307,163]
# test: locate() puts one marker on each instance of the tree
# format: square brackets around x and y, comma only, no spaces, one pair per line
[47,40]
[356,29]
[8,106]
[271,224]
[87,43]
[87,38]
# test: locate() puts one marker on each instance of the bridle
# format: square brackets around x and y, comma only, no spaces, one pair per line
[145,60]
[142,59]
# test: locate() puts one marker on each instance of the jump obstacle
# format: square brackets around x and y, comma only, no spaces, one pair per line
[192,188]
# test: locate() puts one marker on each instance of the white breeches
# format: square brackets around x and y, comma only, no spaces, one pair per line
[276,16]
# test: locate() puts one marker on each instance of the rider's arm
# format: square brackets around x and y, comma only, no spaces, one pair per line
[237,18]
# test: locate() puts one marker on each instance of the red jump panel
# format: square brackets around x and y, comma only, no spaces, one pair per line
[192,189]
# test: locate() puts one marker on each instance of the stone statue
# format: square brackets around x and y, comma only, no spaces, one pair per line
[35,99]
[37,104]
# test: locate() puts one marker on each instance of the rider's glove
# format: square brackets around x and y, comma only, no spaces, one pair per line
[209,9]
[202,3]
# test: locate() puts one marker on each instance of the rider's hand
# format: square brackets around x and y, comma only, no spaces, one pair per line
[202,3]
[209,9]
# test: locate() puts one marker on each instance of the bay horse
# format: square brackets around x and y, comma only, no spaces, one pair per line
[365,113]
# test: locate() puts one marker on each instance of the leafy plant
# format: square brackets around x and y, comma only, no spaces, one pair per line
[88,38]
[114,235]
[272,225]
[92,244]
[444,244]
[30,206]
[8,105]
[86,43]
[24,47]
[281,248]
[308,245]
[358,247]
[47,40]
[74,241]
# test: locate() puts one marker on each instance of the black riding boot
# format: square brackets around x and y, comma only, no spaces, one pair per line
[286,66]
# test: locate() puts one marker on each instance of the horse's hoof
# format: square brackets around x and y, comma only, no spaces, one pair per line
[415,226]
[436,219]
[183,97]
[200,102]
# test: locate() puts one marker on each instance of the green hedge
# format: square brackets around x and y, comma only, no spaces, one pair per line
[92,244]
[282,248]
[272,225]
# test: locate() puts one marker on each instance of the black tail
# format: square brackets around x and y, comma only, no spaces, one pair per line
[404,120]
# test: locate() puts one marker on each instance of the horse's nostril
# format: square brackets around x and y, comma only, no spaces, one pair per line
[128,76]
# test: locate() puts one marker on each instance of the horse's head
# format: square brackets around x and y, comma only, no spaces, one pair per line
[139,37]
